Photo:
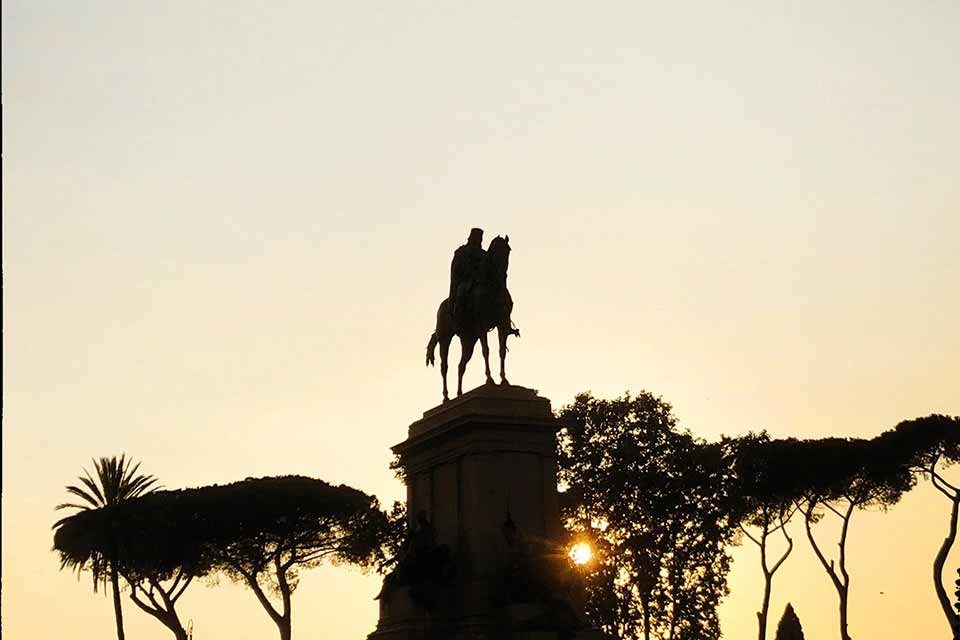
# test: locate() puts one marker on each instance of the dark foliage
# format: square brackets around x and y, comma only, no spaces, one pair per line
[657,503]
[929,444]
[158,547]
[767,493]
[262,532]
[115,481]
[661,506]
[823,477]
[835,477]
[259,531]
[924,441]
[394,537]
[789,627]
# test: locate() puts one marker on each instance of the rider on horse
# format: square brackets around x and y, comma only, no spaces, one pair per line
[466,271]
[478,303]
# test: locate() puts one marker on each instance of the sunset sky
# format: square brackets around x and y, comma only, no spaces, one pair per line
[227,226]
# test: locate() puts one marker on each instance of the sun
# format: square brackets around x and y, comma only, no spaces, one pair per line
[580,553]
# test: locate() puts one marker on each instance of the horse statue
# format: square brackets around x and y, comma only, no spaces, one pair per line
[488,306]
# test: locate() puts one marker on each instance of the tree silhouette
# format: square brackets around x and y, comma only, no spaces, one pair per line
[768,493]
[657,503]
[840,476]
[163,551]
[116,481]
[930,443]
[789,627]
[262,532]
[259,531]
[155,547]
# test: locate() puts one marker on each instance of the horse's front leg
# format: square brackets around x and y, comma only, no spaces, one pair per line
[503,332]
[466,351]
[485,348]
[444,351]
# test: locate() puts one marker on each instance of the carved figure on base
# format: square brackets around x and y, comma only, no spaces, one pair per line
[423,566]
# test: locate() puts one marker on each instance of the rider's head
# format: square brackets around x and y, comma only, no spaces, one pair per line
[476,237]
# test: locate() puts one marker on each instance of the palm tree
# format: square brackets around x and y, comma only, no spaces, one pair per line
[116,481]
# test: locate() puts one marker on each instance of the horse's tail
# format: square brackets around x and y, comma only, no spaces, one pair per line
[431,346]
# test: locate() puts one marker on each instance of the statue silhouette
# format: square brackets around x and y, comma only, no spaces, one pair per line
[466,271]
[478,302]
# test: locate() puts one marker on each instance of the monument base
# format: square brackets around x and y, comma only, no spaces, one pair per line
[487,555]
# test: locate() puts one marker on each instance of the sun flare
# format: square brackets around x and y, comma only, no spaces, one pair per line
[580,553]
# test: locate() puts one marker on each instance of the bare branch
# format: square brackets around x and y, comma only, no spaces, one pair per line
[283,585]
[153,600]
[183,588]
[156,613]
[238,567]
[317,555]
[944,491]
[831,507]
[176,580]
[936,476]
[264,601]
[747,533]
[827,566]
[785,553]
[843,543]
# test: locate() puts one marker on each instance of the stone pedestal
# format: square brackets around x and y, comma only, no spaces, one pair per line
[481,470]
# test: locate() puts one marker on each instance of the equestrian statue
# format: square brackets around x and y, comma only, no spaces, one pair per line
[477,303]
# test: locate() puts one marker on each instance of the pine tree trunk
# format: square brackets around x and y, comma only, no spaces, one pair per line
[117,610]
[172,622]
[645,608]
[285,593]
[762,614]
[843,615]
[284,625]
[938,562]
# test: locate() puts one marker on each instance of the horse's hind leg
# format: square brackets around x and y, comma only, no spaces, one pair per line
[444,351]
[485,348]
[466,350]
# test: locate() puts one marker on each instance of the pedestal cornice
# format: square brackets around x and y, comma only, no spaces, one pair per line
[491,401]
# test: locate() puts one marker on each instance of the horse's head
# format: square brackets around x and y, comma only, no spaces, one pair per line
[499,246]
[499,253]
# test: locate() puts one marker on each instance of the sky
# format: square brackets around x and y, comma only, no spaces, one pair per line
[227,226]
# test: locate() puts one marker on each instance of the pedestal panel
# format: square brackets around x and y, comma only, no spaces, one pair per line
[481,470]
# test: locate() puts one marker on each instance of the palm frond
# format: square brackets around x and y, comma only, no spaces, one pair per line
[141,486]
[94,489]
[80,493]
[129,474]
[106,473]
[68,505]
[114,480]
